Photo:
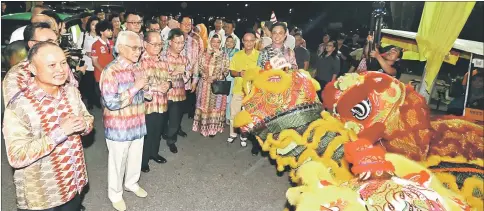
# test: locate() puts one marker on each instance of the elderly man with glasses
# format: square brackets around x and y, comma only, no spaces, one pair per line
[16,79]
[123,92]
[157,108]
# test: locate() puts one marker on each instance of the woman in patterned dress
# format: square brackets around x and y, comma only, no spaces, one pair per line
[210,108]
[230,50]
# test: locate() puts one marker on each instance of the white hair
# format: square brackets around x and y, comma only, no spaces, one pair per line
[124,39]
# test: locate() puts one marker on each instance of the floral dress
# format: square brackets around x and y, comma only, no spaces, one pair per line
[210,108]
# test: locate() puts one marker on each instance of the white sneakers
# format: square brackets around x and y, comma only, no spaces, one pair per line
[121,205]
[243,141]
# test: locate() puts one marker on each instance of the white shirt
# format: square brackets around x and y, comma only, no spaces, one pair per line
[220,33]
[290,42]
[89,40]
[236,39]
[164,33]
[18,34]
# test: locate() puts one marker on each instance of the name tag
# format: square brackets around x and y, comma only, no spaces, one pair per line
[279,62]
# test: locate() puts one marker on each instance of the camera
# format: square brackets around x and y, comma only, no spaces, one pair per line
[75,54]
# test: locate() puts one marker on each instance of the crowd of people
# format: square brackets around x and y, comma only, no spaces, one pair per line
[144,76]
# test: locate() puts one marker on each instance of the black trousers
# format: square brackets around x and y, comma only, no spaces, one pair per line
[88,89]
[190,103]
[73,205]
[175,113]
[322,83]
[155,123]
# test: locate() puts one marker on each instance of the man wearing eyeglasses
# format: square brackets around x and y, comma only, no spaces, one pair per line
[16,78]
[156,109]
[134,23]
[123,94]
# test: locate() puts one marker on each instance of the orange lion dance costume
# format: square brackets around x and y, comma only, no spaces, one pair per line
[450,147]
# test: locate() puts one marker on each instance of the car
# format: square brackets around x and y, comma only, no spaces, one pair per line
[68,7]
[109,8]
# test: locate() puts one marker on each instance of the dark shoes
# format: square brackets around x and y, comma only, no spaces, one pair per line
[182,133]
[158,159]
[255,150]
[173,148]
[145,169]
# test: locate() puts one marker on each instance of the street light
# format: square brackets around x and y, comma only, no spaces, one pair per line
[290,10]
[246,5]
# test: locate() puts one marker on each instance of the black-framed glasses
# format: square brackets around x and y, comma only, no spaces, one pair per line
[156,44]
[49,40]
[135,23]
[135,48]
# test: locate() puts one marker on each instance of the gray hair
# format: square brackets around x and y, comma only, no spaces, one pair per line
[123,38]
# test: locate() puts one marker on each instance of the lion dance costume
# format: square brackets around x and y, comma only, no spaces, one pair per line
[379,149]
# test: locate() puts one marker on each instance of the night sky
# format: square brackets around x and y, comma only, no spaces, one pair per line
[313,17]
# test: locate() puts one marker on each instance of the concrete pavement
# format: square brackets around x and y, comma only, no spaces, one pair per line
[207,174]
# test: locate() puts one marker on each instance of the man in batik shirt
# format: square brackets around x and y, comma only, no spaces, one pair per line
[192,50]
[42,130]
[176,64]
[122,89]
[157,108]
[277,48]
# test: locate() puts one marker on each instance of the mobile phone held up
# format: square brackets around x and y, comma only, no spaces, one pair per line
[81,63]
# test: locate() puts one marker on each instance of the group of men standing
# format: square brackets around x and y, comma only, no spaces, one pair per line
[144,93]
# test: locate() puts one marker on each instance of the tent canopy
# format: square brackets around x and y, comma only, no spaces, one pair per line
[460,44]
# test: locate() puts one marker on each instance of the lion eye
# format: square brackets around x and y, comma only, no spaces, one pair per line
[362,110]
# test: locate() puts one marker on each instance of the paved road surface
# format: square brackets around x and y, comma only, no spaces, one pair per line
[206,175]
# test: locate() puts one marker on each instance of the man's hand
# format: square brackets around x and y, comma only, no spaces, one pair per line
[369,38]
[163,88]
[375,53]
[194,87]
[178,72]
[72,124]
[82,69]
[67,54]
[242,73]
[141,82]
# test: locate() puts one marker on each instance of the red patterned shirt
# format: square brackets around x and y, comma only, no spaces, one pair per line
[50,166]
[175,63]
[156,76]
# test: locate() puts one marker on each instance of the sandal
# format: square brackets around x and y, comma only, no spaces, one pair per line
[231,139]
